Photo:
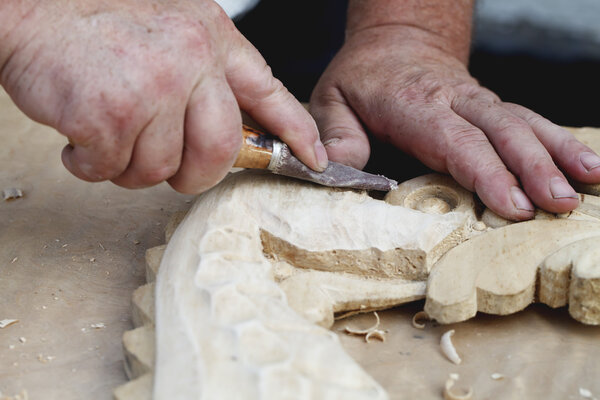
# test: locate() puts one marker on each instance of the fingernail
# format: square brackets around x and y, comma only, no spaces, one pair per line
[520,200]
[589,160]
[560,189]
[321,154]
[332,142]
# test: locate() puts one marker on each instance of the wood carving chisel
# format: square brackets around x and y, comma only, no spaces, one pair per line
[263,151]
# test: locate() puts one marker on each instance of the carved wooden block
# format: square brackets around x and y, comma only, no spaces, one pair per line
[496,272]
[247,269]
[262,264]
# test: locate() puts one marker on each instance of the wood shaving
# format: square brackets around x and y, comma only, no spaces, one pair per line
[21,396]
[448,348]
[369,333]
[7,322]
[420,316]
[449,395]
[377,334]
[11,194]
[44,359]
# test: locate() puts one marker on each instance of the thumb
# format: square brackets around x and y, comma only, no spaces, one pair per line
[341,131]
[270,104]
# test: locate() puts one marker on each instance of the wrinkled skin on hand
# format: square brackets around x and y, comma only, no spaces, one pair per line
[148,91]
[422,99]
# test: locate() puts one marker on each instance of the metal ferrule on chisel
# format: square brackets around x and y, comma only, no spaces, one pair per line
[276,156]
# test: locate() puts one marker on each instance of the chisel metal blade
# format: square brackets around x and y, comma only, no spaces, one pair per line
[335,175]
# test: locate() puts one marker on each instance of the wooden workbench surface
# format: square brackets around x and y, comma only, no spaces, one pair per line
[71,253]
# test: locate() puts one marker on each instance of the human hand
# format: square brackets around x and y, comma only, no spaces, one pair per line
[147,91]
[422,99]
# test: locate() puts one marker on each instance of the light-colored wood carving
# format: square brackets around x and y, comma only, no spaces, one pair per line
[142,305]
[496,272]
[250,293]
[245,281]
[220,315]
[153,257]
[138,389]
[138,346]
[571,276]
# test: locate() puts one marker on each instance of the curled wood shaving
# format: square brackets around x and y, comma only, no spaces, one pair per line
[377,334]
[364,331]
[420,316]
[7,322]
[369,333]
[449,395]
[448,348]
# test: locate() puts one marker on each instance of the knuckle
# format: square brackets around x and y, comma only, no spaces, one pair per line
[105,119]
[466,138]
[538,164]
[271,88]
[537,120]
[509,125]
[119,112]
[470,156]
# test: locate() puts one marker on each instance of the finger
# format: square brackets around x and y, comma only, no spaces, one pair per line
[470,158]
[522,153]
[272,106]
[157,152]
[573,157]
[342,133]
[213,136]
[95,157]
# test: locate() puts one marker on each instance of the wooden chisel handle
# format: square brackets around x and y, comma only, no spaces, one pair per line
[257,149]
